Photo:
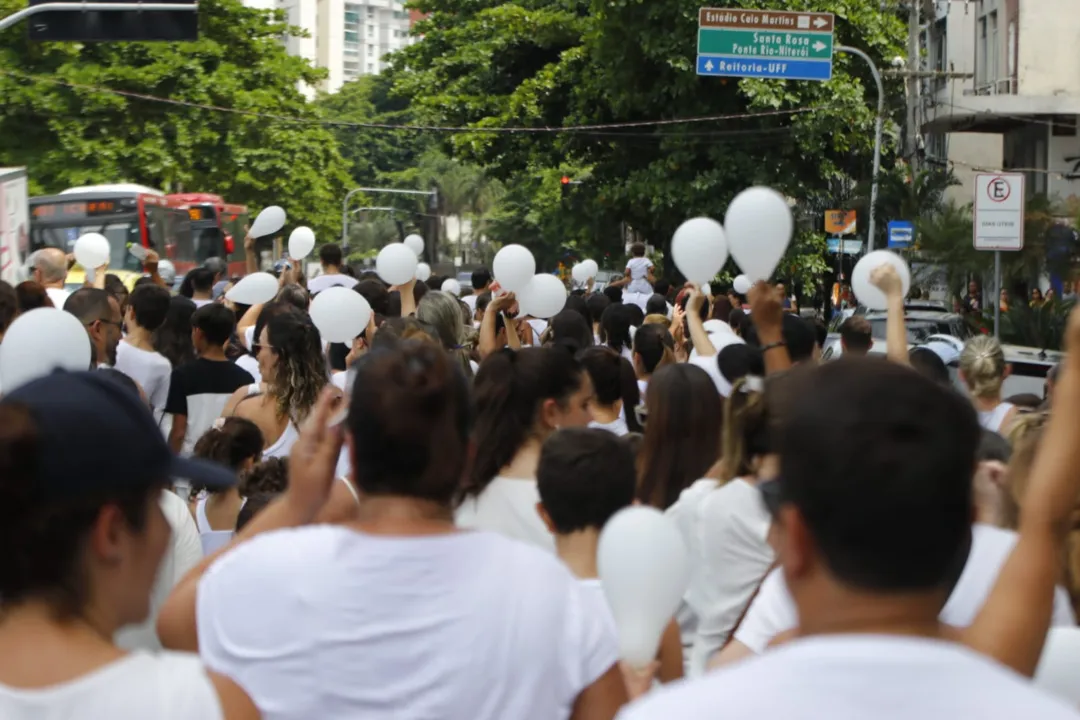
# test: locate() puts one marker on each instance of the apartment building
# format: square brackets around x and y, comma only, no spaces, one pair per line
[1025,58]
[949,43]
[349,38]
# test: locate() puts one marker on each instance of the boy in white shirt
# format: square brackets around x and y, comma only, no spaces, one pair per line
[135,355]
[584,477]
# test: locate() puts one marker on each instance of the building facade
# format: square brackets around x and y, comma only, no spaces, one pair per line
[1025,57]
[349,38]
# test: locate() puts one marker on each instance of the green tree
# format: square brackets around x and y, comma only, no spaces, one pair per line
[263,145]
[532,64]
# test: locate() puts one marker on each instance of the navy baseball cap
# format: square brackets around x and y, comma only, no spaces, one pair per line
[95,432]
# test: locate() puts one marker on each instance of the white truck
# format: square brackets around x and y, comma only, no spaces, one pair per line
[14,223]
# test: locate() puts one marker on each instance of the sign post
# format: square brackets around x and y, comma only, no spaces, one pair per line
[765,44]
[999,223]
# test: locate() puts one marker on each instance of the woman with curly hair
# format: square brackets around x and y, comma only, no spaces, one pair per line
[293,373]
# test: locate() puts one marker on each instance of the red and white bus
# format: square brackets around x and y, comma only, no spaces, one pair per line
[125,214]
[217,230]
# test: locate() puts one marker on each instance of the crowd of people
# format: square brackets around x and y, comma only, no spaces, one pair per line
[227,517]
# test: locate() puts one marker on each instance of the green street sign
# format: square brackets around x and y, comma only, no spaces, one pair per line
[765,44]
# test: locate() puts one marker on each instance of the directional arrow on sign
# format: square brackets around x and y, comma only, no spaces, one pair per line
[709,66]
[819,46]
[820,22]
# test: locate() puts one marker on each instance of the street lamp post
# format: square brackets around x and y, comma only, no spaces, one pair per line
[431,194]
[877,139]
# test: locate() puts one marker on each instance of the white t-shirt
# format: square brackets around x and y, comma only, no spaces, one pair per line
[151,370]
[507,506]
[617,426]
[726,530]
[325,622]
[183,553]
[249,363]
[139,686]
[856,677]
[470,300]
[202,302]
[773,611]
[58,296]
[639,274]
[321,282]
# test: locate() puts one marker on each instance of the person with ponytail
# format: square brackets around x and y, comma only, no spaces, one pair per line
[520,397]
[654,347]
[983,370]
[237,444]
[615,390]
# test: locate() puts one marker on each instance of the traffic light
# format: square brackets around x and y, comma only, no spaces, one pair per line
[565,187]
[117,25]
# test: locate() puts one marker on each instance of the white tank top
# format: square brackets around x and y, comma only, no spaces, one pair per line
[212,540]
[281,447]
[162,686]
[992,419]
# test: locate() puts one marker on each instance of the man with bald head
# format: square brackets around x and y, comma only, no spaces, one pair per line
[49,267]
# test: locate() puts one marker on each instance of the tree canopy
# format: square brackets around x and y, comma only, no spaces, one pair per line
[535,64]
[57,121]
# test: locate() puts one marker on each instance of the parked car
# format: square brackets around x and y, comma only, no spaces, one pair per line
[920,326]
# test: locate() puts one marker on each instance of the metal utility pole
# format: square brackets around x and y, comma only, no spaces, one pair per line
[53,7]
[913,86]
[872,225]
[431,194]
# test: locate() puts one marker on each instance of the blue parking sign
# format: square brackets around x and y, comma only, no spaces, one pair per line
[901,234]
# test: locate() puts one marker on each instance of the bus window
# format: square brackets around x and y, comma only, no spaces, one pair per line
[179,236]
[155,226]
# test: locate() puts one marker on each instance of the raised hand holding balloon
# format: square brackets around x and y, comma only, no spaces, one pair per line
[91,251]
[866,291]
[759,228]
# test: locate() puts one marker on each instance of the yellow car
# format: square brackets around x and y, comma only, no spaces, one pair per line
[76,277]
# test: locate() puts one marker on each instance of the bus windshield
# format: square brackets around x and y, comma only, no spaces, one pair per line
[121,233]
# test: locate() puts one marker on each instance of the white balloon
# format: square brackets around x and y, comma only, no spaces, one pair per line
[396,264]
[423,271]
[340,314]
[91,250]
[415,243]
[741,285]
[254,289]
[268,222]
[40,341]
[580,273]
[706,290]
[301,242]
[543,297]
[591,268]
[866,292]
[452,286]
[514,267]
[644,569]
[759,226]
[699,249]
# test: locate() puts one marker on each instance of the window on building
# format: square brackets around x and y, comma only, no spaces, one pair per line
[993,53]
[370,51]
[370,12]
[371,68]
[371,31]
[352,36]
[980,57]
[352,17]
